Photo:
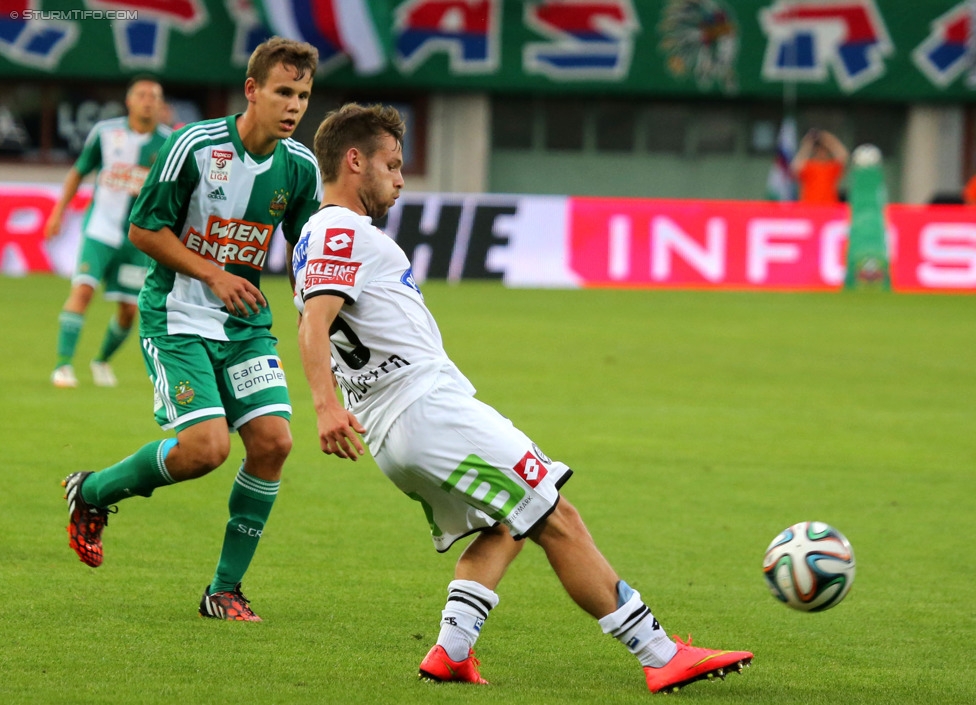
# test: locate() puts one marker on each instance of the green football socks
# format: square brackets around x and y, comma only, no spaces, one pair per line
[250,505]
[69,330]
[115,335]
[139,474]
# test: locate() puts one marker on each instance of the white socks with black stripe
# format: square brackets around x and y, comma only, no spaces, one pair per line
[634,626]
[467,608]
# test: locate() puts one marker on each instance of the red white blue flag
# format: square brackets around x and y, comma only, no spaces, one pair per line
[780,185]
[339,29]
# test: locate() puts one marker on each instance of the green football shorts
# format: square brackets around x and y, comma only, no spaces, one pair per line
[122,269]
[195,379]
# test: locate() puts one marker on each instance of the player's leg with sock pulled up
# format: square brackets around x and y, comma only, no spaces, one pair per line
[249,505]
[470,599]
[267,440]
[91,494]
[595,587]
[115,335]
[452,657]
[71,320]
[197,450]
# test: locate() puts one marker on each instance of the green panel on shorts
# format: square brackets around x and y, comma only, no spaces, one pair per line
[493,492]
[435,530]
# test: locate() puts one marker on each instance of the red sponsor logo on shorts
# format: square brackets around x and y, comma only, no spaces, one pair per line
[321,272]
[338,243]
[531,469]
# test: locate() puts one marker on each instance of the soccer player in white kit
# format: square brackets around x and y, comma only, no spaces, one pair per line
[364,326]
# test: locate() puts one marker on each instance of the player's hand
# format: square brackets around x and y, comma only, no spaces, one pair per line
[52,227]
[338,431]
[239,295]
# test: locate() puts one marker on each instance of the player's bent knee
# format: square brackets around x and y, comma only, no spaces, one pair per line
[269,448]
[199,452]
[563,523]
[267,440]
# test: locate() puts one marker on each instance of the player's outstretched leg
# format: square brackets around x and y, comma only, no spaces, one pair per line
[668,665]
[85,521]
[692,663]
[594,585]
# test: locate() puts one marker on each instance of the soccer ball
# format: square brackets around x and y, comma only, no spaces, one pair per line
[809,566]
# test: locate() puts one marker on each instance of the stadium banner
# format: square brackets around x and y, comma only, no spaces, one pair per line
[899,50]
[24,211]
[569,242]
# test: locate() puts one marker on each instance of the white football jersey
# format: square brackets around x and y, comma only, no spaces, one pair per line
[386,348]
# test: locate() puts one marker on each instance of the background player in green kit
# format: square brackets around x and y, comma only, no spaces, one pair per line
[121,150]
[211,203]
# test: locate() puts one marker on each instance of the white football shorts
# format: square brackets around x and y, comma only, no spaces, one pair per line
[468,466]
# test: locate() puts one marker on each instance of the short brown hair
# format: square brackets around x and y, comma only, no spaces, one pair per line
[354,125]
[301,56]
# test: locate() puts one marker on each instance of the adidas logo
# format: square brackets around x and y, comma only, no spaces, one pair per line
[217,194]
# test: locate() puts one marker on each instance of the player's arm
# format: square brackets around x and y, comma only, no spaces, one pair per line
[238,294]
[88,161]
[308,197]
[289,251]
[337,427]
[71,183]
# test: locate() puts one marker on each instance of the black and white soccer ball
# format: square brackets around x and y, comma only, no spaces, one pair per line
[809,566]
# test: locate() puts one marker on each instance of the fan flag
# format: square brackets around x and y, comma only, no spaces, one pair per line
[780,185]
[334,27]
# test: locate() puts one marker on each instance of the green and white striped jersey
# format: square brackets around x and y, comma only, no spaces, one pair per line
[122,157]
[224,204]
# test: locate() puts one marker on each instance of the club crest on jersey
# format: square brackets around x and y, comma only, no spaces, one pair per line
[531,469]
[278,203]
[184,393]
[338,242]
[220,164]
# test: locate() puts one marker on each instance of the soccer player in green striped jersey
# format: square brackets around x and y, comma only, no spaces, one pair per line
[121,150]
[216,195]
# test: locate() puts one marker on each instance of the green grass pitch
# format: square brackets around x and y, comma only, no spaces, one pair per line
[699,424]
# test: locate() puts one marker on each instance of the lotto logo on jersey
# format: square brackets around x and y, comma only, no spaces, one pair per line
[338,242]
[220,163]
[322,272]
[531,469]
[231,242]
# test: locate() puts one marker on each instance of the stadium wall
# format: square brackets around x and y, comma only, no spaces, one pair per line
[571,241]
